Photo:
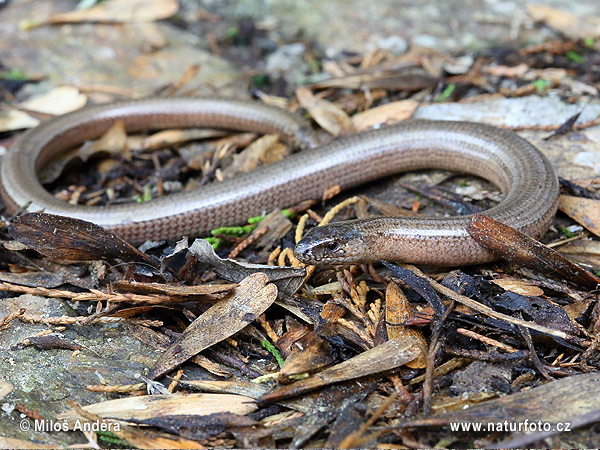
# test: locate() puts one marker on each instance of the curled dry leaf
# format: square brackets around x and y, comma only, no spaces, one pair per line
[329,116]
[225,318]
[518,248]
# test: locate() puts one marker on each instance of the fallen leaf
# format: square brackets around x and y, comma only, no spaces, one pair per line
[113,141]
[385,114]
[12,119]
[585,211]
[225,318]
[328,115]
[66,238]
[119,11]
[168,138]
[567,400]
[520,287]
[572,25]
[287,279]
[151,406]
[518,248]
[384,357]
[60,100]
[397,312]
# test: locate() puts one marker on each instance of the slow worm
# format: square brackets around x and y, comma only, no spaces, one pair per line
[523,174]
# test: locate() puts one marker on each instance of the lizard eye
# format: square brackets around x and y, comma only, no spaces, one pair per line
[333,246]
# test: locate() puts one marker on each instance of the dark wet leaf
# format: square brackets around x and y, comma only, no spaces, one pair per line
[65,238]
[518,248]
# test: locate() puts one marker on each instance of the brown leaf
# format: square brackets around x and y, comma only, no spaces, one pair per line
[585,211]
[169,289]
[329,116]
[118,11]
[168,138]
[256,153]
[516,247]
[403,79]
[397,312]
[385,114]
[387,356]
[225,318]
[113,141]
[65,238]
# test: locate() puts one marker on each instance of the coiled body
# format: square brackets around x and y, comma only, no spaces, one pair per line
[524,175]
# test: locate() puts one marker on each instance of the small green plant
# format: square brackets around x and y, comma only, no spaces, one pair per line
[589,42]
[574,56]
[541,85]
[14,75]
[446,93]
[273,351]
[566,232]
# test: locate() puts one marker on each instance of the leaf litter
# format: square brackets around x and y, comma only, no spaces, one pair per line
[363,331]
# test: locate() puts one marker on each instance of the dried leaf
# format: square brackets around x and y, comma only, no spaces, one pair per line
[225,318]
[329,116]
[573,26]
[397,312]
[516,247]
[585,211]
[169,289]
[65,238]
[560,401]
[387,356]
[287,279]
[403,79]
[49,342]
[168,138]
[256,153]
[119,11]
[150,406]
[113,141]
[520,287]
[385,114]
[60,100]
[12,119]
